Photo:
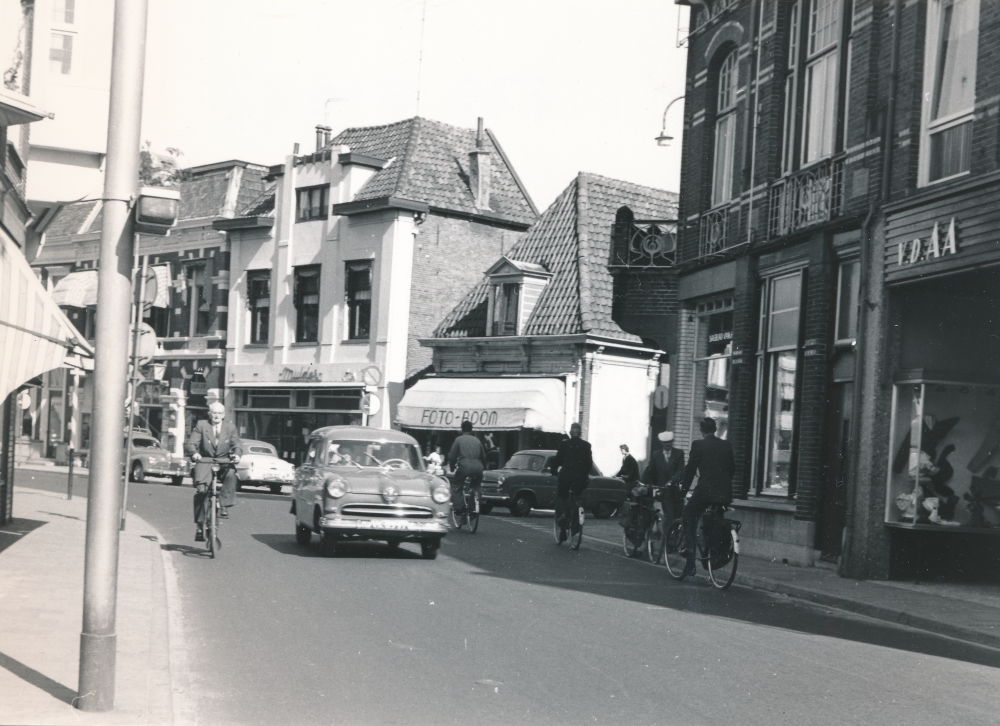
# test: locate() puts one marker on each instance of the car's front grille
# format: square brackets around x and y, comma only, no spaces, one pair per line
[386,510]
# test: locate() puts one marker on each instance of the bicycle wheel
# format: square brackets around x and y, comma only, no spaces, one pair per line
[456,518]
[576,539]
[472,507]
[722,565]
[632,548]
[673,550]
[212,536]
[654,539]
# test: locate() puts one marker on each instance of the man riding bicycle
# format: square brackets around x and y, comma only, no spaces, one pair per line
[210,440]
[712,460]
[572,464]
[467,459]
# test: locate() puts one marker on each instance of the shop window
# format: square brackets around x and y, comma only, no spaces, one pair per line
[307,304]
[61,54]
[778,369]
[506,308]
[358,291]
[725,131]
[313,203]
[712,358]
[848,281]
[259,302]
[198,304]
[952,42]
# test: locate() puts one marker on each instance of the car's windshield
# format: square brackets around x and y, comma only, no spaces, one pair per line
[360,453]
[526,462]
[262,450]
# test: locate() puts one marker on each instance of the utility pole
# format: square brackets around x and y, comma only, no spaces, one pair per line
[98,640]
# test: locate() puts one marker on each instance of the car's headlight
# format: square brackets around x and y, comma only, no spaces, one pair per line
[442,495]
[500,480]
[336,488]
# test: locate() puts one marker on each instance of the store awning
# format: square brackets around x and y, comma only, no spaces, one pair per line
[77,289]
[489,403]
[35,335]
[162,297]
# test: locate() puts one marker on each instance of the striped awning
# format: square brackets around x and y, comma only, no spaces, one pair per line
[162,297]
[77,289]
[35,335]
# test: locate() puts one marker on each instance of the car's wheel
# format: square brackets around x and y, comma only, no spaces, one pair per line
[138,473]
[522,504]
[176,480]
[303,535]
[485,507]
[393,543]
[603,510]
[429,549]
[276,489]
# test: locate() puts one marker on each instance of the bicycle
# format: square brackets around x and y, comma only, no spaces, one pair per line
[635,535]
[718,547]
[213,541]
[562,521]
[470,496]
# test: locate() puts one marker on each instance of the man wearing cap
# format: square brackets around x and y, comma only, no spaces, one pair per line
[712,460]
[665,470]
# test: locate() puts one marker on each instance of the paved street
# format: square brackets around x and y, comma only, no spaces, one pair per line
[506,627]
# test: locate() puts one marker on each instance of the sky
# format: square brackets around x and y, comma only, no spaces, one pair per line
[565,86]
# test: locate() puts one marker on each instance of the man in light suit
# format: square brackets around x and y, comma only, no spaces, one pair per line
[211,439]
[712,459]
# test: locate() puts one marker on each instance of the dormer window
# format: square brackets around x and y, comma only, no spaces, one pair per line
[515,287]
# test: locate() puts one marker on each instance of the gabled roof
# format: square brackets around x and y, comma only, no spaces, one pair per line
[572,239]
[430,164]
[505,265]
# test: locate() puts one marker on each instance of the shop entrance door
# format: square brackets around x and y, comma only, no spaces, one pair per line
[833,503]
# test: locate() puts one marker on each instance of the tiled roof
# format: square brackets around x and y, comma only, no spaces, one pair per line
[572,239]
[262,205]
[430,164]
[72,219]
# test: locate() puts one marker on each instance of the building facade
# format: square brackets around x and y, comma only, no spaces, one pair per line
[835,258]
[356,253]
[563,328]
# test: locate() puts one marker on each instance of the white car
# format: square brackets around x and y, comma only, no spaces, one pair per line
[260,467]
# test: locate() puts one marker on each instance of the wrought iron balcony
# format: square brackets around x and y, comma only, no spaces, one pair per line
[642,242]
[713,235]
[808,197]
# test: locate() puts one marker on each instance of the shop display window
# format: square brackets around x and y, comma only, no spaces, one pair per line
[944,459]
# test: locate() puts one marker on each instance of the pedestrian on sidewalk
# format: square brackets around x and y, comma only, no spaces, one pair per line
[212,439]
[712,460]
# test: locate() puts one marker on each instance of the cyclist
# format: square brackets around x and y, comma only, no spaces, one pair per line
[665,469]
[712,459]
[572,464]
[630,467]
[211,439]
[467,459]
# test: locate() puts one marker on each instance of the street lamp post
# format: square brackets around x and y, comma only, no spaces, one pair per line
[664,138]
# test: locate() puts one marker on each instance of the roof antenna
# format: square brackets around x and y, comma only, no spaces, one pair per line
[420,61]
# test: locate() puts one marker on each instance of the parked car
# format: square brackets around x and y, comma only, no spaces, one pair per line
[260,467]
[359,483]
[525,483]
[149,458]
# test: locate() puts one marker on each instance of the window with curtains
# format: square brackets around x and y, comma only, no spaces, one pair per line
[358,291]
[725,131]
[713,354]
[848,282]
[952,43]
[306,298]
[312,203]
[506,308]
[61,54]
[779,355]
[259,302]
[198,302]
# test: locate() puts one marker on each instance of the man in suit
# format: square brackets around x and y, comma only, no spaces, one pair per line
[571,464]
[630,467]
[210,439]
[712,460]
[665,469]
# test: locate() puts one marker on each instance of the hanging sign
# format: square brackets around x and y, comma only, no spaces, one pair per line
[919,250]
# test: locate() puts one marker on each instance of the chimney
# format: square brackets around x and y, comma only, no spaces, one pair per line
[479,170]
[322,136]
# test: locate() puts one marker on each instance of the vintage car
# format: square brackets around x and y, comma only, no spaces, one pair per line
[149,458]
[359,483]
[260,467]
[525,483]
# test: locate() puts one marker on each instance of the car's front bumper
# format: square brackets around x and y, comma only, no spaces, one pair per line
[389,528]
[493,495]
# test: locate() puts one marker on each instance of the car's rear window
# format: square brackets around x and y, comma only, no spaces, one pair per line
[148,443]
[526,462]
[372,453]
[262,450]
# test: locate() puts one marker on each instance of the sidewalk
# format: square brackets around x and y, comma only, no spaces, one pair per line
[969,612]
[41,613]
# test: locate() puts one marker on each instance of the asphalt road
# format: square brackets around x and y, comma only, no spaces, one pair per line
[506,627]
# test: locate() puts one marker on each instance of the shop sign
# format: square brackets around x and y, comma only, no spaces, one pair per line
[485,418]
[288,375]
[199,388]
[919,250]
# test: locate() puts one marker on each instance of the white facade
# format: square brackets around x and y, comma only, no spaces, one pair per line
[620,406]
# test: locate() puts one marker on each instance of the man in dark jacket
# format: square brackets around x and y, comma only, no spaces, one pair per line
[630,467]
[212,439]
[468,458]
[712,459]
[665,469]
[572,464]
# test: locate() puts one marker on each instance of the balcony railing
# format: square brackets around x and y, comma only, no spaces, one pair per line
[643,242]
[808,197]
[713,236]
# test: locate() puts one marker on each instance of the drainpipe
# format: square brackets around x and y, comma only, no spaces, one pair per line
[759,9]
[850,514]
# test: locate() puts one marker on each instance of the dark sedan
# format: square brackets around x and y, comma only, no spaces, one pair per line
[525,483]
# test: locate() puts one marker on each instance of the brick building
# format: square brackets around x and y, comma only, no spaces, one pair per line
[187,282]
[562,328]
[835,265]
[357,252]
